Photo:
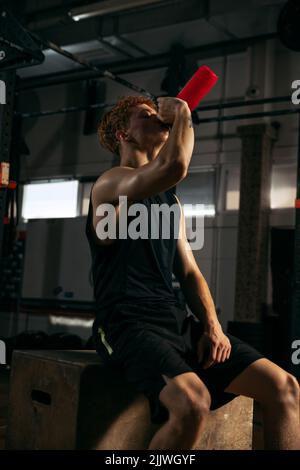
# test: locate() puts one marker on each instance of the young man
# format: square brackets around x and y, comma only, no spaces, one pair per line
[185,365]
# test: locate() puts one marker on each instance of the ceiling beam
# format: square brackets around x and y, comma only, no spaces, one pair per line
[56,25]
[144,63]
[68,31]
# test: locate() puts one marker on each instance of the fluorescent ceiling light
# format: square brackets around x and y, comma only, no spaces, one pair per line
[106,7]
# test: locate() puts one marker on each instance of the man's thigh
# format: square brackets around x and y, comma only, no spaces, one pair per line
[218,376]
[260,380]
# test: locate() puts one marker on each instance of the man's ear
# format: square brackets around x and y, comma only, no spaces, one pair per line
[121,135]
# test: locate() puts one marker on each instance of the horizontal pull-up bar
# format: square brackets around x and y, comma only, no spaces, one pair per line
[220,106]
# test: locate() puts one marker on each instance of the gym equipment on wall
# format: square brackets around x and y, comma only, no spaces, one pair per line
[17,47]
[6,121]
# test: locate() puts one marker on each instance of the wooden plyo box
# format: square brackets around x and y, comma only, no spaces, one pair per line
[71,400]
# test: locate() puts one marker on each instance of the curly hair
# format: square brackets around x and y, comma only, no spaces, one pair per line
[118,118]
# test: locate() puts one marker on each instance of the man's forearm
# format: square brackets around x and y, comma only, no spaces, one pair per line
[199,299]
[180,143]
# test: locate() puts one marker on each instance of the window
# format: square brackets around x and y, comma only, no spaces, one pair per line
[47,200]
[283,187]
[86,198]
[198,188]
[232,200]
[283,190]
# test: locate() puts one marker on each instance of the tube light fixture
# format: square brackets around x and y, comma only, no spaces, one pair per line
[106,7]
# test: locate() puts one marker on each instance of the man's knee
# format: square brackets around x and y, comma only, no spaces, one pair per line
[285,390]
[186,398]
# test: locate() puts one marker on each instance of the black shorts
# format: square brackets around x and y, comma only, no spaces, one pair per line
[150,341]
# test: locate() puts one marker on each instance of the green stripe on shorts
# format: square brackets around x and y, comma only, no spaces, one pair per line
[104,341]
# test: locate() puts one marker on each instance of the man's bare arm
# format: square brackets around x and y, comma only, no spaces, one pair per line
[200,301]
[192,281]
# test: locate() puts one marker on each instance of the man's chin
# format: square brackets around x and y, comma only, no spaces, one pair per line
[164,135]
[165,130]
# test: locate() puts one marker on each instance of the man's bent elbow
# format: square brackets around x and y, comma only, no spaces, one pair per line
[178,168]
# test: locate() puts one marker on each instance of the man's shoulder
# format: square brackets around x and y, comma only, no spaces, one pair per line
[103,182]
[114,170]
[110,175]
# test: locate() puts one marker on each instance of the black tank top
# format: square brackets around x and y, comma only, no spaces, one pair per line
[135,270]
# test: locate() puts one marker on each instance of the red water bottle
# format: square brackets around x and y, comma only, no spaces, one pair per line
[198,86]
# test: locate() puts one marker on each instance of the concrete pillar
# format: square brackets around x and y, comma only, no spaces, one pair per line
[252,250]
